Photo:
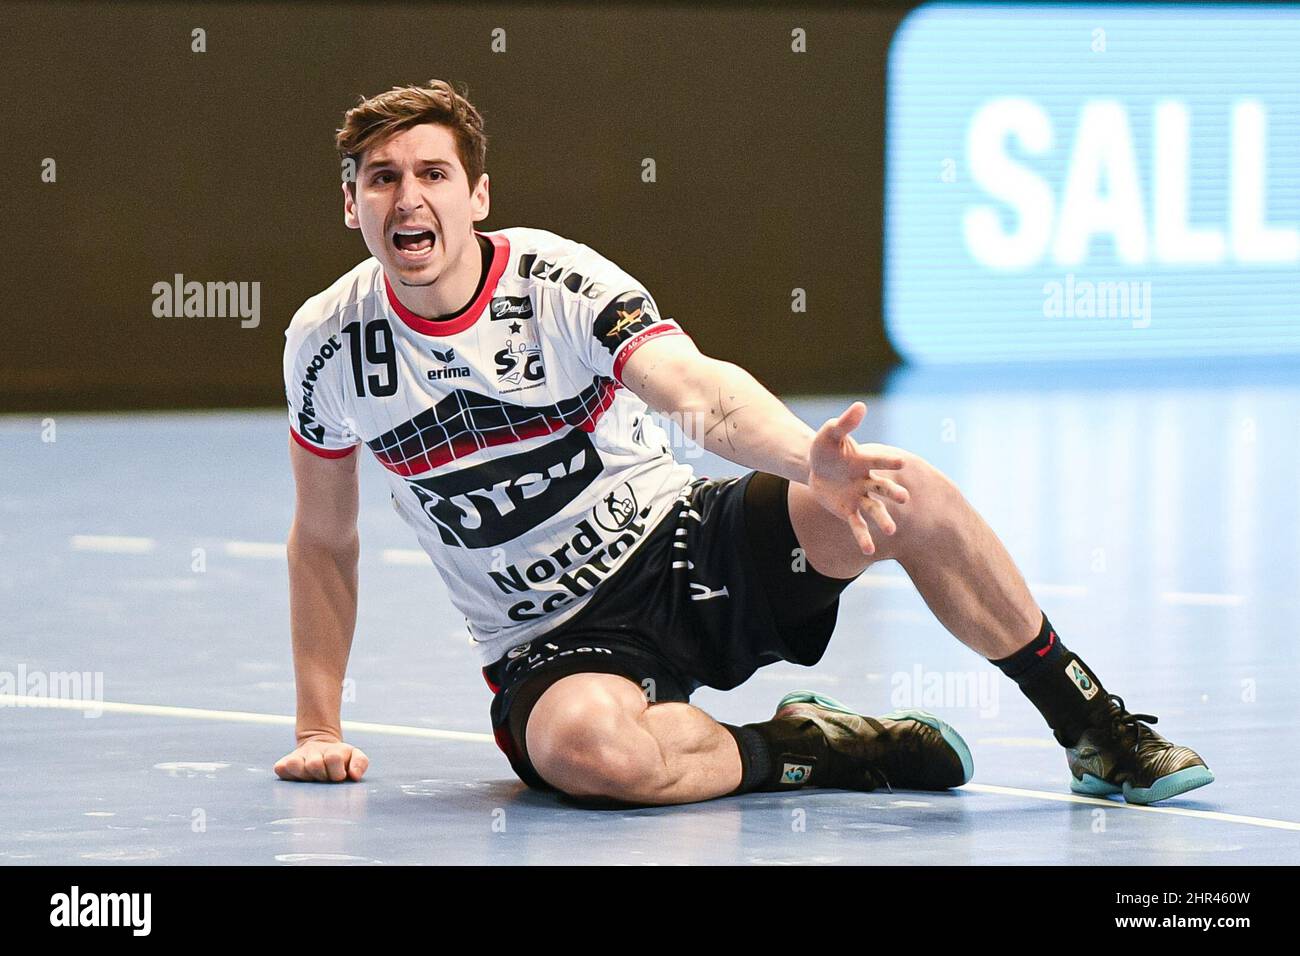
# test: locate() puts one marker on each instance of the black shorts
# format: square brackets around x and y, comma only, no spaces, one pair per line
[691,607]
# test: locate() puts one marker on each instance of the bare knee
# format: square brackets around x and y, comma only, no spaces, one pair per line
[832,549]
[583,738]
[933,504]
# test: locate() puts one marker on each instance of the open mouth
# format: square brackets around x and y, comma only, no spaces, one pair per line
[413,242]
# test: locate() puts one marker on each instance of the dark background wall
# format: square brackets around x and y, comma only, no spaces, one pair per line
[219,165]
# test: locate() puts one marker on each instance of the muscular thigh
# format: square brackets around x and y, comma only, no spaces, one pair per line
[565,675]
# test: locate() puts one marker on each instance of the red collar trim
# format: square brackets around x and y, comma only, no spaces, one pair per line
[500,256]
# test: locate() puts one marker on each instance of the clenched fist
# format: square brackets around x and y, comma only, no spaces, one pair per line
[324,759]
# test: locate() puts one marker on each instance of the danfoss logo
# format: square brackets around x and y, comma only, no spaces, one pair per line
[511,307]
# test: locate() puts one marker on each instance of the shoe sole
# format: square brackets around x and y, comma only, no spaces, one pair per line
[1170,785]
[950,736]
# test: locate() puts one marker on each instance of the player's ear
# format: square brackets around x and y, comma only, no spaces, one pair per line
[479,201]
[350,206]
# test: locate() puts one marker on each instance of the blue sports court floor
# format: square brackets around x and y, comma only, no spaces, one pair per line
[1156,515]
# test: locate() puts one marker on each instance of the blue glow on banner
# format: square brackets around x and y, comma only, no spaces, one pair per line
[1093,182]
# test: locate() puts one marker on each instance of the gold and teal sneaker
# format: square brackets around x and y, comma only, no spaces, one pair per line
[904,749]
[1124,755]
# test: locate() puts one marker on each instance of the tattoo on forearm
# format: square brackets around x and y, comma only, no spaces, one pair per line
[726,414]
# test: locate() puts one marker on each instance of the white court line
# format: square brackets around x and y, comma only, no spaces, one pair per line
[405,556]
[112,544]
[1115,805]
[1202,600]
[234,716]
[398,730]
[257,549]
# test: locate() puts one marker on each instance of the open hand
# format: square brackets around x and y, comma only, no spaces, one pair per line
[840,474]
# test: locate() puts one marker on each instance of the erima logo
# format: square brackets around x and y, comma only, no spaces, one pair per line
[460,371]
[1081,680]
[796,773]
[511,307]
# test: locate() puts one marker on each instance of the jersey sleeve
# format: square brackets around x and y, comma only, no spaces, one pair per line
[313,388]
[612,317]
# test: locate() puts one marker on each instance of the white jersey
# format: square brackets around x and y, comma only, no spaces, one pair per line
[528,472]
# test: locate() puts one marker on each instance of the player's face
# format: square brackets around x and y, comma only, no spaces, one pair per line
[414,206]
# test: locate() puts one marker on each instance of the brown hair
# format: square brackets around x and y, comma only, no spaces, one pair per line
[375,119]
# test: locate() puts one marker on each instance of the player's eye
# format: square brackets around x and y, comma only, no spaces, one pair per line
[437,172]
[379,179]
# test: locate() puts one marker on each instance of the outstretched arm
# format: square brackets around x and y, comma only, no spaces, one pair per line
[724,409]
[720,407]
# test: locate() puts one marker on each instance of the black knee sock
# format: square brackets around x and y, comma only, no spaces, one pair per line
[1057,681]
[777,754]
